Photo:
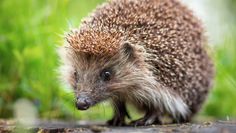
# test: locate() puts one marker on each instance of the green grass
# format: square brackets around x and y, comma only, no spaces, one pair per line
[30,31]
[221,101]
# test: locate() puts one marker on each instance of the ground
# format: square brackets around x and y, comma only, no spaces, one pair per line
[97,127]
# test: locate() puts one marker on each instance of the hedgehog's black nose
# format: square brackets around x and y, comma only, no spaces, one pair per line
[82,103]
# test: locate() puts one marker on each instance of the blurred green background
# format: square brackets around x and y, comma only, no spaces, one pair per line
[30,31]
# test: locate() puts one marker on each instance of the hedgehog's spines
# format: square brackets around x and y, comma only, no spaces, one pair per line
[173,58]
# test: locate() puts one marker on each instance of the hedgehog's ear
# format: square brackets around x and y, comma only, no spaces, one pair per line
[128,50]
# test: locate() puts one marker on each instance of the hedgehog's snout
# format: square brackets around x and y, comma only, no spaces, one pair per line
[83,102]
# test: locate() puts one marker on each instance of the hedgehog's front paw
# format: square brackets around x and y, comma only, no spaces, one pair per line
[147,120]
[117,121]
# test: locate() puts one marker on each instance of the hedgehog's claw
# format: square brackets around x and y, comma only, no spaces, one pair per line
[148,119]
[117,121]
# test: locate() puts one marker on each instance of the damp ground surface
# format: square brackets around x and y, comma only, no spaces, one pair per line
[98,127]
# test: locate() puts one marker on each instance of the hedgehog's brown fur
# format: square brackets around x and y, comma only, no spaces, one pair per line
[83,41]
[172,38]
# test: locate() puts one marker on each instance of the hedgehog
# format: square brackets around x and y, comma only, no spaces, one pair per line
[149,53]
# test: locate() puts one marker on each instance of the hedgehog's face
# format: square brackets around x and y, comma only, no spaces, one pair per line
[97,78]
[91,78]
[91,83]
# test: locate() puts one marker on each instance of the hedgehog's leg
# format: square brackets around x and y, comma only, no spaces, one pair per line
[151,117]
[120,112]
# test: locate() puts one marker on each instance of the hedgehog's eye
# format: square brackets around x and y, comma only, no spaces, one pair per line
[76,75]
[106,75]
